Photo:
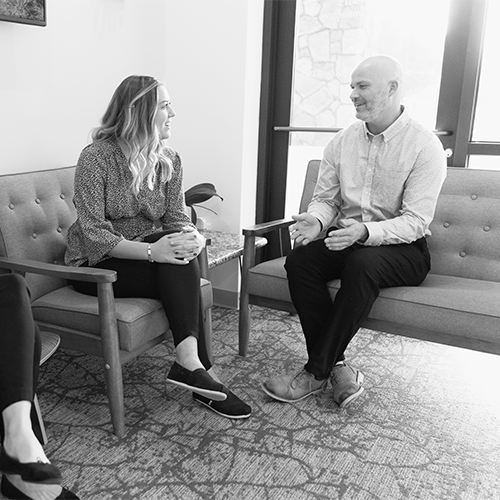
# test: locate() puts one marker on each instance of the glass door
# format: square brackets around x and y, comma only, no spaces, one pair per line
[331,38]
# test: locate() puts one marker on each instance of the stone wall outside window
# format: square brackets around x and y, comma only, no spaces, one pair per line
[333,36]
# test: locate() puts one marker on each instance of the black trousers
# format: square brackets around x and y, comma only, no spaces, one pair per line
[363,270]
[20,346]
[177,288]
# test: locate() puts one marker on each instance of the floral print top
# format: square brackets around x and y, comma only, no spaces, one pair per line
[108,211]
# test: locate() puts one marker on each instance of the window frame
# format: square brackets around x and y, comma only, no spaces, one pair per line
[460,81]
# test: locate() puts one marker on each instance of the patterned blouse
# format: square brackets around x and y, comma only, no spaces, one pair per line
[108,211]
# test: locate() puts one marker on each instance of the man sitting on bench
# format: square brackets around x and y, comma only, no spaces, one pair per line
[376,194]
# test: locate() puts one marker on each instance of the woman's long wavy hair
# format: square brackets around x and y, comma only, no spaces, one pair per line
[130,118]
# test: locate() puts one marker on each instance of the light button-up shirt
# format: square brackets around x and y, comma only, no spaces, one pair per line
[390,182]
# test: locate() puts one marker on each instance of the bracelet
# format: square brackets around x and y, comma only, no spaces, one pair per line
[150,255]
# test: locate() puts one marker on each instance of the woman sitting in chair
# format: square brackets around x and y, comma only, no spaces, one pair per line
[127,182]
[27,473]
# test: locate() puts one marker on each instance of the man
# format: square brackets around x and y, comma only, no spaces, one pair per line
[375,196]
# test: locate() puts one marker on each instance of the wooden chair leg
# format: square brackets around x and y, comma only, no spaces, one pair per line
[244,325]
[244,320]
[207,329]
[111,357]
[38,414]
[50,343]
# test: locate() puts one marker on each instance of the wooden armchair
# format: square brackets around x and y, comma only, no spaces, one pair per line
[36,210]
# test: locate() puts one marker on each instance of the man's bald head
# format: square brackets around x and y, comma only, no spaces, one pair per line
[377,90]
[382,68]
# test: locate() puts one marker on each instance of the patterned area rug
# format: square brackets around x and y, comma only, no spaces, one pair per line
[426,427]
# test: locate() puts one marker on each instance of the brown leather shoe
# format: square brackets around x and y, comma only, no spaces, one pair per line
[293,388]
[346,383]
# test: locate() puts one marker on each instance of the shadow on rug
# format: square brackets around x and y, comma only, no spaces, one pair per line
[426,427]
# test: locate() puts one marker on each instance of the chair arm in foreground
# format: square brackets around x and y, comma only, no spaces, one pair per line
[91,274]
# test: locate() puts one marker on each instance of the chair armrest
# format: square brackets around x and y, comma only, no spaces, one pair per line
[92,274]
[250,233]
[265,227]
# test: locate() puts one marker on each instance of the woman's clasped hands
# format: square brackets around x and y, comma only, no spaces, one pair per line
[178,248]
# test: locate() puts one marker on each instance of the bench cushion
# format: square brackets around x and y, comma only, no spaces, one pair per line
[139,320]
[447,304]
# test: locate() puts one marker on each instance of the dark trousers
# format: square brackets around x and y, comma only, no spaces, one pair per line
[177,288]
[363,270]
[20,345]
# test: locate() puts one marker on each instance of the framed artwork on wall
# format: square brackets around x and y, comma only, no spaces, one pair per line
[24,12]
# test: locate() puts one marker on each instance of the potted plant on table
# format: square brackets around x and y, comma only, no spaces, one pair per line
[199,194]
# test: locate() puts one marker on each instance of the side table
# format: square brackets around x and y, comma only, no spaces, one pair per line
[223,247]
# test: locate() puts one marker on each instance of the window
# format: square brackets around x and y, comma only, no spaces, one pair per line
[485,127]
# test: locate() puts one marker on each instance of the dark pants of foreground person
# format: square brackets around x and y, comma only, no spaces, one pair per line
[363,270]
[177,288]
[20,346]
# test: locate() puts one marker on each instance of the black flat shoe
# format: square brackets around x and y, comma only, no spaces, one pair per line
[233,407]
[15,488]
[198,381]
[31,472]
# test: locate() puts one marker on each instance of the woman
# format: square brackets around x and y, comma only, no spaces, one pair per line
[27,473]
[131,218]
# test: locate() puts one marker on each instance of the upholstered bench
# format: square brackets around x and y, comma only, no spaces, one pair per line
[458,303]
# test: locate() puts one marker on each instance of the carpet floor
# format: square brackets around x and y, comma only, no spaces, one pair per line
[427,426]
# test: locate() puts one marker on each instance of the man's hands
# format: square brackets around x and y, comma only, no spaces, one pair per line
[307,228]
[346,236]
[178,248]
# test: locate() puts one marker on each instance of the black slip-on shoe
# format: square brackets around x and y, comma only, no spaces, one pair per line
[15,488]
[32,472]
[233,407]
[198,381]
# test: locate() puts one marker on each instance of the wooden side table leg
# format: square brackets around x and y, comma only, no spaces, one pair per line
[244,319]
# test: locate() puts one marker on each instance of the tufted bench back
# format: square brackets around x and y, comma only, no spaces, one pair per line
[36,210]
[465,239]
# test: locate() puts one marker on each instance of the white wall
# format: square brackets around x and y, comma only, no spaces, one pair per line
[213,76]
[56,81]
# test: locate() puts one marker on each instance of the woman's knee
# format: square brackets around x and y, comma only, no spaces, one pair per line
[13,280]
[13,284]
[184,276]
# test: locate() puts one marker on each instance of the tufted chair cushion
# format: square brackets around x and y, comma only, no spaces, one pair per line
[36,210]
